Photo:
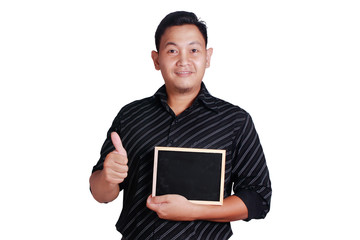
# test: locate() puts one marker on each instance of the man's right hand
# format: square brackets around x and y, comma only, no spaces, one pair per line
[115,165]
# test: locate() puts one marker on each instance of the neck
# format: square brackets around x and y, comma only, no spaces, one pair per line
[180,102]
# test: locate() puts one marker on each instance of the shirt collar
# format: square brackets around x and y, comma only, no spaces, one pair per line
[204,97]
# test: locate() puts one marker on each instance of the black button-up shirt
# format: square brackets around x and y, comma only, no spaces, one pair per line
[208,123]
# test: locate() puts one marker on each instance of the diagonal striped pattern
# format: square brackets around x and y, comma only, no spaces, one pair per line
[208,123]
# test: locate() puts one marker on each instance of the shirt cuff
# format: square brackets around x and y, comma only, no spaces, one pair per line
[255,204]
[98,167]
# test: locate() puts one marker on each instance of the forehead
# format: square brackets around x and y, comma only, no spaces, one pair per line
[184,34]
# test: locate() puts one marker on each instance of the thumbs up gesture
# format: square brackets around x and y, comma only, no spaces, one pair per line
[115,164]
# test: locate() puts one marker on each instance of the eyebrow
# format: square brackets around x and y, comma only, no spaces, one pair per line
[170,43]
[191,43]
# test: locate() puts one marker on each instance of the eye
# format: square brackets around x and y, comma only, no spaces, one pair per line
[194,50]
[172,51]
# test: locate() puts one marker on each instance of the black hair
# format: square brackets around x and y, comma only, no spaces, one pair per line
[177,19]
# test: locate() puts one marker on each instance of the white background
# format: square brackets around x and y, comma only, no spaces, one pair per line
[67,67]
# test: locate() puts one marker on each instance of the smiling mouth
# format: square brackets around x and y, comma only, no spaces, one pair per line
[183,73]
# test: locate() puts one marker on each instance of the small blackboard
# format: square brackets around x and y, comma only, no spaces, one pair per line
[197,174]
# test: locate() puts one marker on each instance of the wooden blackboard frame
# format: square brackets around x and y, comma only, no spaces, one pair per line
[192,150]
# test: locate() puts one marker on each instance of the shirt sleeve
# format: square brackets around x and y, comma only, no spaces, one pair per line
[250,173]
[107,146]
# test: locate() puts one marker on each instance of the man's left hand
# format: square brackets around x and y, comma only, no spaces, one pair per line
[172,207]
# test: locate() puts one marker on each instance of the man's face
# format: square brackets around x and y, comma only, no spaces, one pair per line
[182,58]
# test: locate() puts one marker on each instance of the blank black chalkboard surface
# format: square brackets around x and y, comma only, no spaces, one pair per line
[197,174]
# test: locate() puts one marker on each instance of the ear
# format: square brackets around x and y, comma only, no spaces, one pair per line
[209,53]
[155,58]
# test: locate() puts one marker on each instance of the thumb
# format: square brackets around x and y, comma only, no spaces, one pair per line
[151,204]
[158,199]
[115,138]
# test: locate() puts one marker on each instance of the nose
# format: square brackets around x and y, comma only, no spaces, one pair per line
[183,59]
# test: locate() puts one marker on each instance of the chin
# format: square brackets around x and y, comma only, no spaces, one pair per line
[184,85]
[184,89]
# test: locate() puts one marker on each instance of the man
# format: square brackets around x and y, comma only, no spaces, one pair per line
[182,113]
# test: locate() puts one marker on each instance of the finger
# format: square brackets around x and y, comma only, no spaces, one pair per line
[114,159]
[118,158]
[120,168]
[115,138]
[116,171]
[117,178]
